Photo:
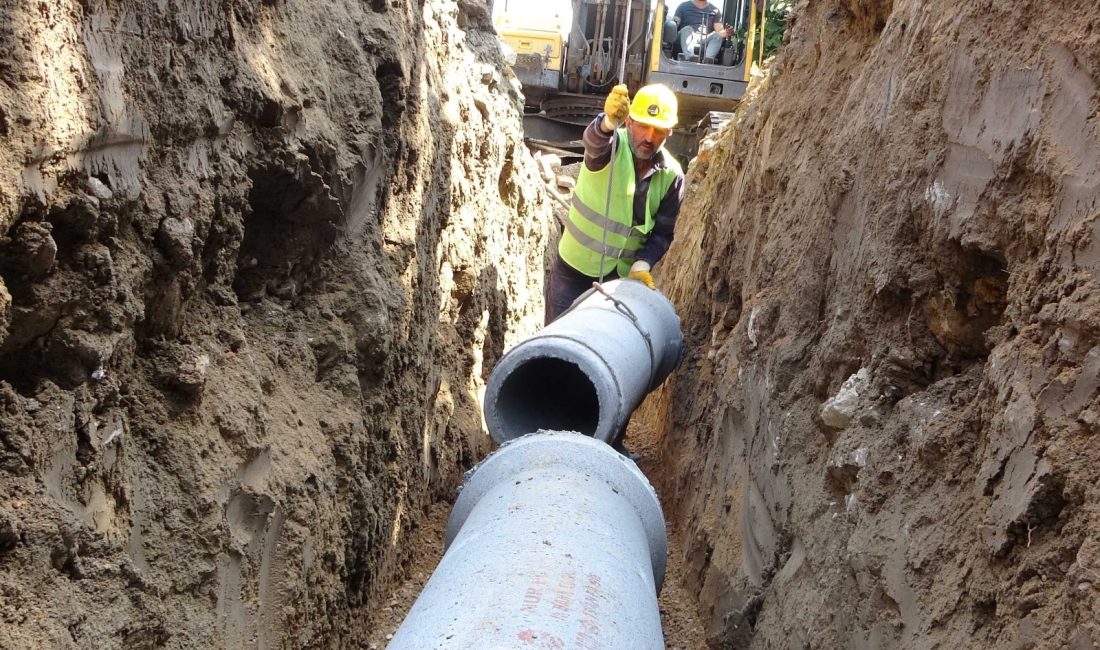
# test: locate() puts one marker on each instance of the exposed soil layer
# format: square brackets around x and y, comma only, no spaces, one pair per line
[885,432]
[256,259]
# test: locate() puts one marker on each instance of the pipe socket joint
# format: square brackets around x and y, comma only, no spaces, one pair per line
[555,541]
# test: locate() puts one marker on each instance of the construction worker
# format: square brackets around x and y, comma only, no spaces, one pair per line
[698,24]
[628,235]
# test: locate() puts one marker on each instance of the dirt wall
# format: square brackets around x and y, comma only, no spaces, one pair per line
[256,259]
[888,271]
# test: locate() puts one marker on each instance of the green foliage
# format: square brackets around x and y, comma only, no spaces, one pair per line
[777,13]
[777,24]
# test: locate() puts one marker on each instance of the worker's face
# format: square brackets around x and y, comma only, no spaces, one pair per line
[645,140]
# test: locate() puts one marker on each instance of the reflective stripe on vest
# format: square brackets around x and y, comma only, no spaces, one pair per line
[587,228]
[592,243]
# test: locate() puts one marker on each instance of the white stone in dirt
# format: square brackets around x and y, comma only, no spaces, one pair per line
[939,197]
[752,331]
[508,52]
[191,373]
[175,237]
[837,412]
[98,188]
[548,165]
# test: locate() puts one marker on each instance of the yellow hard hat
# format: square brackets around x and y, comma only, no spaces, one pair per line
[654,105]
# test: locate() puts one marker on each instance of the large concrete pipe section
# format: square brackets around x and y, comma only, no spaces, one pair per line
[589,369]
[555,541]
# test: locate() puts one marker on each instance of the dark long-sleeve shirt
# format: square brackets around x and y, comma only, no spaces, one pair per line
[597,153]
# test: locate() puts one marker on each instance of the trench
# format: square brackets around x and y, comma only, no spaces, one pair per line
[257,260]
[553,394]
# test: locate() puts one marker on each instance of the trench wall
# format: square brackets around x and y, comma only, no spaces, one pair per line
[256,260]
[885,431]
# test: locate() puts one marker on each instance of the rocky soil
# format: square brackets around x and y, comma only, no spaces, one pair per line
[256,259]
[886,431]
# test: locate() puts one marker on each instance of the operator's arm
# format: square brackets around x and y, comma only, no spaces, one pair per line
[717,21]
[678,16]
[664,222]
[597,145]
[597,137]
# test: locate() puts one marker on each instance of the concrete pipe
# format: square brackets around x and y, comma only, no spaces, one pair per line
[555,541]
[589,369]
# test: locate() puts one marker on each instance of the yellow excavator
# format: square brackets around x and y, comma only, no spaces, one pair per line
[567,65]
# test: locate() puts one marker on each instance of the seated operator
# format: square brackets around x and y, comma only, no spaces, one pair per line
[700,25]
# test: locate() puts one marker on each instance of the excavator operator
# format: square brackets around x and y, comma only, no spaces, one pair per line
[701,32]
[626,200]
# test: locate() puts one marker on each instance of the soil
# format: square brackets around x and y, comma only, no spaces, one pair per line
[256,260]
[885,430]
[427,552]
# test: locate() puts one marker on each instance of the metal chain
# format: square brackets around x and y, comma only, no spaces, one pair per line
[607,203]
[614,145]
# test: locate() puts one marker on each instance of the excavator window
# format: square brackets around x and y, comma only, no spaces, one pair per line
[734,14]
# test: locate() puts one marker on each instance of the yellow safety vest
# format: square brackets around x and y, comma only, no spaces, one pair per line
[582,242]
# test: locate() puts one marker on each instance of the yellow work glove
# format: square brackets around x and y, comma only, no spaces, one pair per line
[616,107]
[640,271]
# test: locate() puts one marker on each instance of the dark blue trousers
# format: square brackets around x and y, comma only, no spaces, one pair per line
[565,285]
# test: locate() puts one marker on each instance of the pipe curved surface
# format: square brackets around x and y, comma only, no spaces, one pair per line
[589,369]
[555,541]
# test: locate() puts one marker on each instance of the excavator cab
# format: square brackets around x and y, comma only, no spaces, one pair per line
[607,35]
[566,74]
[701,86]
[731,49]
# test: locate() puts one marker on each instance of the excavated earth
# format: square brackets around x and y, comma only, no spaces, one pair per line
[257,259]
[886,433]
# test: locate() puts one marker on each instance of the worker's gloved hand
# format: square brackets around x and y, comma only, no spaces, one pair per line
[616,107]
[640,271]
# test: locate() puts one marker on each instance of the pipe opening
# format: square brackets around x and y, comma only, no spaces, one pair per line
[548,393]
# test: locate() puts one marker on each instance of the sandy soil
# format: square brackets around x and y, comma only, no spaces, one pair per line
[255,259]
[884,433]
[427,551]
